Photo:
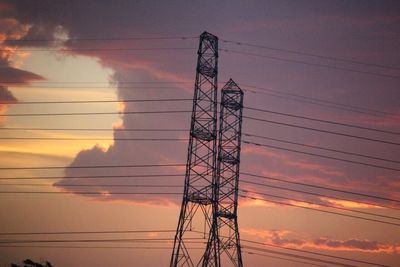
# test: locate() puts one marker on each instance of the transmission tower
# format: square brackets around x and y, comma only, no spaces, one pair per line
[201,160]
[224,235]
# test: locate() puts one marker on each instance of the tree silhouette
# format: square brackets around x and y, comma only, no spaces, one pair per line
[31,263]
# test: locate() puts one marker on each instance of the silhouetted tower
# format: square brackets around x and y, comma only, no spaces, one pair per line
[223,247]
[201,160]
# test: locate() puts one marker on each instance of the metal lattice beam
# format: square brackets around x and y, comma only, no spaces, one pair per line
[223,246]
[201,160]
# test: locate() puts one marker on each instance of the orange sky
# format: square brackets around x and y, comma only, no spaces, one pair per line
[363,92]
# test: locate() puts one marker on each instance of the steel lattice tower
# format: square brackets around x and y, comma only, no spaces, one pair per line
[224,235]
[201,160]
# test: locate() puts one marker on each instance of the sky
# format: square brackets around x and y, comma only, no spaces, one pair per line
[315,74]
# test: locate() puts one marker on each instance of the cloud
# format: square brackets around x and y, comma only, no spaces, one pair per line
[284,238]
[49,19]
[8,97]
[387,121]
[12,75]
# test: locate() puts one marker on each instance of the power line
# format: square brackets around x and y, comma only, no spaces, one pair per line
[285,259]
[93,167]
[99,185]
[99,87]
[240,43]
[323,131]
[320,120]
[313,253]
[311,64]
[92,129]
[181,175]
[303,99]
[352,61]
[96,247]
[322,148]
[88,240]
[89,193]
[89,232]
[92,139]
[99,101]
[299,256]
[322,156]
[119,49]
[307,257]
[320,195]
[315,209]
[135,38]
[174,193]
[188,99]
[318,101]
[319,204]
[95,82]
[95,113]
[180,186]
[92,177]
[321,187]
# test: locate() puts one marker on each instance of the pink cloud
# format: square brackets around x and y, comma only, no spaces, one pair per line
[284,238]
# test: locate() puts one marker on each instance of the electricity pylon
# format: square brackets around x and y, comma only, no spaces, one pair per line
[224,234]
[201,160]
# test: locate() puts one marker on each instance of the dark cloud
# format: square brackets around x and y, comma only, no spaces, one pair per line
[349,244]
[11,75]
[6,95]
[341,29]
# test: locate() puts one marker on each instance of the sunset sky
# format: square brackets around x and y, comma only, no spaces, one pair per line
[320,159]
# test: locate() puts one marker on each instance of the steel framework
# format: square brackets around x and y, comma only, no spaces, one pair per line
[201,160]
[224,234]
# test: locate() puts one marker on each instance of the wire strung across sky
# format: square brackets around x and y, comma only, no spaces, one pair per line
[180,140]
[327,206]
[315,101]
[187,111]
[121,49]
[289,60]
[311,63]
[321,148]
[322,156]
[101,39]
[92,177]
[74,40]
[182,175]
[320,120]
[322,130]
[180,186]
[152,247]
[252,196]
[96,113]
[95,166]
[312,208]
[322,195]
[189,99]
[281,258]
[255,89]
[319,187]
[394,133]
[92,139]
[100,101]
[312,253]
[84,177]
